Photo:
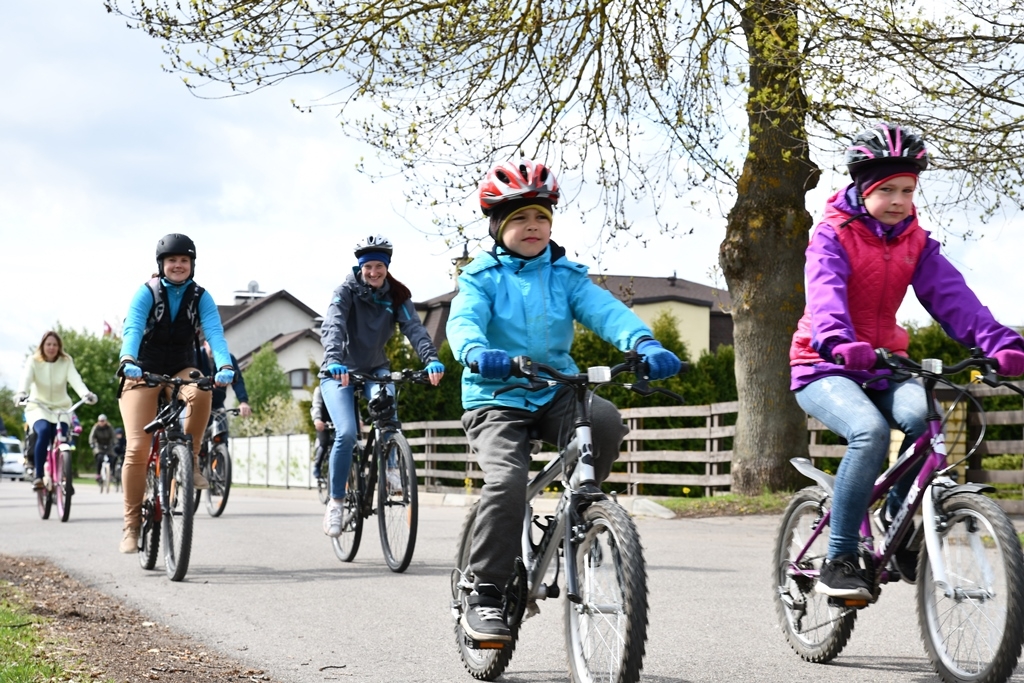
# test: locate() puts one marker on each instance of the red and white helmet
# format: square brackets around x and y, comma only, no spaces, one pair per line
[509,181]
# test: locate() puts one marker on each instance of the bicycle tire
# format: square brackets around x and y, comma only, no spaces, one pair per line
[176,497]
[976,634]
[106,477]
[218,473]
[149,529]
[347,545]
[483,665]
[397,511]
[606,632]
[64,487]
[44,502]
[197,494]
[794,596]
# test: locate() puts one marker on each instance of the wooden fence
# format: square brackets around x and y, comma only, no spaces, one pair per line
[444,442]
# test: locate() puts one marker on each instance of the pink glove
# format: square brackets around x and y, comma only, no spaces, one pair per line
[1011,362]
[855,355]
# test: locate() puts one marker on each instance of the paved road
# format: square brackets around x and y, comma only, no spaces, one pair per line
[264,587]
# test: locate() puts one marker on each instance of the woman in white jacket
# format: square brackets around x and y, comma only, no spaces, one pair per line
[46,377]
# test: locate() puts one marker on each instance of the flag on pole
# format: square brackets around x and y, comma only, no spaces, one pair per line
[107,329]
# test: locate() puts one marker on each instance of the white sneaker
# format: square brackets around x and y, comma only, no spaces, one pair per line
[394,481]
[333,518]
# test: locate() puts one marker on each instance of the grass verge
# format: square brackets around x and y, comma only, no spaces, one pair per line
[20,641]
[728,505]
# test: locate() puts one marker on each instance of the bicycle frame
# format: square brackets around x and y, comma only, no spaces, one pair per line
[928,451]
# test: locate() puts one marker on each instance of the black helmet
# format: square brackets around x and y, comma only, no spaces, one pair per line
[886,142]
[172,245]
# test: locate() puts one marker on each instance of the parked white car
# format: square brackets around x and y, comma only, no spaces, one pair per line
[13,458]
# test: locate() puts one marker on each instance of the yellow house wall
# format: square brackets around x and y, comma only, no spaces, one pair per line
[694,322]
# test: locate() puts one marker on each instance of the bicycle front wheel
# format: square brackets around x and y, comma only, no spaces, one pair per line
[606,631]
[176,502]
[347,545]
[323,486]
[44,502]
[105,477]
[218,473]
[482,664]
[972,629]
[149,531]
[397,503]
[63,485]
[816,630]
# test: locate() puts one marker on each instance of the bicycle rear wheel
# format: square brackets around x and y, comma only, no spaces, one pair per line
[606,632]
[816,630]
[218,473]
[975,633]
[149,531]
[347,545]
[397,503]
[176,508]
[482,664]
[197,494]
[63,485]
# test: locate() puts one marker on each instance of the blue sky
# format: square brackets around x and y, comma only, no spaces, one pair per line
[103,153]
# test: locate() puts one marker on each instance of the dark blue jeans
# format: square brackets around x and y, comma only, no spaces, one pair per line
[864,418]
[46,432]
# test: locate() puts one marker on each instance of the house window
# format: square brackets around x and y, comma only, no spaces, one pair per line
[300,379]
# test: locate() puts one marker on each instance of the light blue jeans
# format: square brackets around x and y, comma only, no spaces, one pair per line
[864,418]
[341,405]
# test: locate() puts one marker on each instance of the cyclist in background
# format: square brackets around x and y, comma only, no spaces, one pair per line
[522,299]
[324,436]
[161,336]
[864,254]
[45,380]
[101,440]
[220,393]
[359,322]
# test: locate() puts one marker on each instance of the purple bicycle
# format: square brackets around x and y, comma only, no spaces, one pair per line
[970,568]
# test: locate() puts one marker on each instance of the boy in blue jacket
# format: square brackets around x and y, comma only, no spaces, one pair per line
[521,299]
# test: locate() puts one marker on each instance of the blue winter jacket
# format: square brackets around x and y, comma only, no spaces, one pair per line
[527,308]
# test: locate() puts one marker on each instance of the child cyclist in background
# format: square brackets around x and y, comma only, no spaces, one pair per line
[863,255]
[521,299]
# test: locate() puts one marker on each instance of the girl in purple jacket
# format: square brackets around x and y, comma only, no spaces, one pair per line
[864,254]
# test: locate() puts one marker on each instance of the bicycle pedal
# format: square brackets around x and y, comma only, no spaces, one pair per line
[485,644]
[849,603]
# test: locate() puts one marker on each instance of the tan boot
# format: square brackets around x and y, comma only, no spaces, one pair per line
[199,482]
[130,541]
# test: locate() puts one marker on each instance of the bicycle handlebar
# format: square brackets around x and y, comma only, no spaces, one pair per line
[153,380]
[526,368]
[58,411]
[935,368]
[405,376]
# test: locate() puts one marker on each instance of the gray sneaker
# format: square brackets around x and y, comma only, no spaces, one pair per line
[484,619]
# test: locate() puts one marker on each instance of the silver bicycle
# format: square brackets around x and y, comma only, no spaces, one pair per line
[596,540]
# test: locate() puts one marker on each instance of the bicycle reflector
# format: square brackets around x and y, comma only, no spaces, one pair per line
[599,373]
[932,365]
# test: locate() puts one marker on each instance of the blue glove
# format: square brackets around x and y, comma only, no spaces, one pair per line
[131,370]
[491,363]
[662,362]
[225,376]
[435,367]
[336,370]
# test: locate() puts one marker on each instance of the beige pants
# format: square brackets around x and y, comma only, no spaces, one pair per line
[139,405]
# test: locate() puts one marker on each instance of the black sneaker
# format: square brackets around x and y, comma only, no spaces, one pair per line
[907,552]
[843,578]
[484,619]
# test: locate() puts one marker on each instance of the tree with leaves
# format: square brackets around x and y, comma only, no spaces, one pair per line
[648,102]
[265,381]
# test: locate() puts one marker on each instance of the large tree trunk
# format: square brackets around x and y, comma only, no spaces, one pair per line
[762,255]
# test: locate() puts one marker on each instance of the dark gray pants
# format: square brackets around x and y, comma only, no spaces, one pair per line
[500,439]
